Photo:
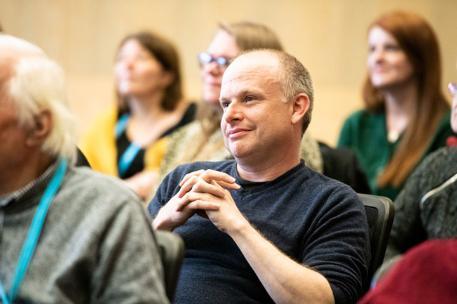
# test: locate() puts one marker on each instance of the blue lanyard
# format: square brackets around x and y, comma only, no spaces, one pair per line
[29,246]
[126,159]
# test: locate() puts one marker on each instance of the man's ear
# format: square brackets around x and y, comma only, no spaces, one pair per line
[40,129]
[299,107]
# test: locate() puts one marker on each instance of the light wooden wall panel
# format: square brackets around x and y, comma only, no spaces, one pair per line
[328,36]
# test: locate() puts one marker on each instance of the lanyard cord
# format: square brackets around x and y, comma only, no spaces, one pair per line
[121,125]
[126,159]
[30,244]
[3,295]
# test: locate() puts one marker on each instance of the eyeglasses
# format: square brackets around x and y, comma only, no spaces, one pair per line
[453,88]
[206,58]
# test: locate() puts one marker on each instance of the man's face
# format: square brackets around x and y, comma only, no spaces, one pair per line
[222,45]
[256,119]
[12,136]
[15,145]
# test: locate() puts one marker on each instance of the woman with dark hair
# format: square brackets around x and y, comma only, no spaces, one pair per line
[130,139]
[406,115]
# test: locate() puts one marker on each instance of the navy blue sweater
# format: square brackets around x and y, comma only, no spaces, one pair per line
[315,220]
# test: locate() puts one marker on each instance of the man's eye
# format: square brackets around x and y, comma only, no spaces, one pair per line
[224,104]
[248,98]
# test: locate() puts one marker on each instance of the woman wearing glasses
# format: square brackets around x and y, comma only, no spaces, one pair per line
[130,139]
[406,116]
[202,139]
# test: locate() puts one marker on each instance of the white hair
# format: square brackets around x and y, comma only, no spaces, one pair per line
[19,46]
[38,84]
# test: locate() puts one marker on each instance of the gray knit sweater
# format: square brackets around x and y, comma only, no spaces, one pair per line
[434,217]
[96,246]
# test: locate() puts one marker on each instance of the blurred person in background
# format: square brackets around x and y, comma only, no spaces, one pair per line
[427,207]
[406,115]
[426,274]
[129,140]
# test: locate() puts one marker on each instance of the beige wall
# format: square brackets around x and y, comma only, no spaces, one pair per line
[328,36]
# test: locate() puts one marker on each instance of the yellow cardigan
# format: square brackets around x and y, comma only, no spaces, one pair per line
[99,146]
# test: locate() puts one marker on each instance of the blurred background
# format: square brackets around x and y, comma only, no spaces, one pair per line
[327,36]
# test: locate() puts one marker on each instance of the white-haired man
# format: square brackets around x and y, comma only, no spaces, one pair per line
[271,230]
[67,235]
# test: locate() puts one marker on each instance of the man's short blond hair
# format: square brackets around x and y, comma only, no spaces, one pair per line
[294,79]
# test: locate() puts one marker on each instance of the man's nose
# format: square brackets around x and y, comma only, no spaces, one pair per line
[232,113]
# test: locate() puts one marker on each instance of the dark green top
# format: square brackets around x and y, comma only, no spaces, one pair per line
[366,134]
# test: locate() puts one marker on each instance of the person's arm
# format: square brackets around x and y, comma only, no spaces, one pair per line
[285,280]
[128,268]
[407,229]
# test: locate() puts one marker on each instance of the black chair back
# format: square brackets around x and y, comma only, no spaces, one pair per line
[380,214]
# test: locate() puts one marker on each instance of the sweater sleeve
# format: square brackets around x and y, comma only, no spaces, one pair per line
[129,270]
[169,187]
[407,228]
[338,246]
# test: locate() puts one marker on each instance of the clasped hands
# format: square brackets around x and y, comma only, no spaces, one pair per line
[207,193]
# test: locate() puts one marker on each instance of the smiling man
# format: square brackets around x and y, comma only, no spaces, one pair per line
[263,227]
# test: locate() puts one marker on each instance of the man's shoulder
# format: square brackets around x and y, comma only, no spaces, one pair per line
[331,193]
[98,187]
[96,200]
[315,184]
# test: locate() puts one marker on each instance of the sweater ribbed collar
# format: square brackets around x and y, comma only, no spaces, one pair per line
[30,187]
